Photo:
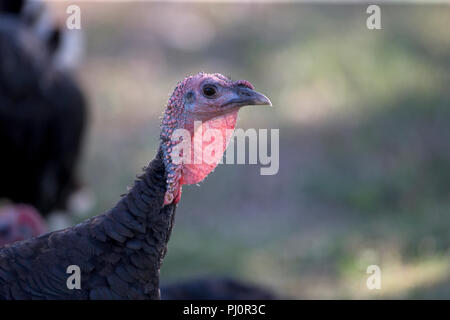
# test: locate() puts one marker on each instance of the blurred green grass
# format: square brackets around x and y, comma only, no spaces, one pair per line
[364,120]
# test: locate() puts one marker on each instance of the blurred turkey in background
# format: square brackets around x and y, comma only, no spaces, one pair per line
[19,222]
[215,288]
[42,111]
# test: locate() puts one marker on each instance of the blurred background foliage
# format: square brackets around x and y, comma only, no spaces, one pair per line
[364,119]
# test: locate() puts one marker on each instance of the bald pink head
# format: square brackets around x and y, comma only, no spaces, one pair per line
[212,100]
[19,222]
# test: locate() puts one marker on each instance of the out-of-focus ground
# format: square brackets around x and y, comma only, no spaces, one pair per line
[364,119]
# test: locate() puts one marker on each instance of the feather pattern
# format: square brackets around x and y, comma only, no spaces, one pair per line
[119,253]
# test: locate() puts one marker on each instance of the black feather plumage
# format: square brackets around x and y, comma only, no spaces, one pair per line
[117,260]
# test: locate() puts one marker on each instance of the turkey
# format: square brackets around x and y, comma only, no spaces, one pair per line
[120,252]
[215,288]
[42,109]
[19,222]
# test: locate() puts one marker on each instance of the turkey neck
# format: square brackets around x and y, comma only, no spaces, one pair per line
[147,223]
[119,253]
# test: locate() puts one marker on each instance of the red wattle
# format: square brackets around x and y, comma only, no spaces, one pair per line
[206,156]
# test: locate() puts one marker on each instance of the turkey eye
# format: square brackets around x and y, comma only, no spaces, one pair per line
[209,91]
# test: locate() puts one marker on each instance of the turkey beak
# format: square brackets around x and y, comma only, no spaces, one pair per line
[244,96]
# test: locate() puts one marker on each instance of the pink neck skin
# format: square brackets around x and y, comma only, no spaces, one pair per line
[208,142]
[205,153]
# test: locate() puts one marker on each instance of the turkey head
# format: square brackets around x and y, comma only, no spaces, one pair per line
[197,125]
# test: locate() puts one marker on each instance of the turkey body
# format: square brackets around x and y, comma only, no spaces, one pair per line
[119,253]
[42,120]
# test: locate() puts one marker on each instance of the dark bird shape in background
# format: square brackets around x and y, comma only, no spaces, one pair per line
[42,109]
[19,222]
[215,288]
[121,251]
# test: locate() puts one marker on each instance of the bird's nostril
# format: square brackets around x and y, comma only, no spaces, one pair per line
[245,93]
